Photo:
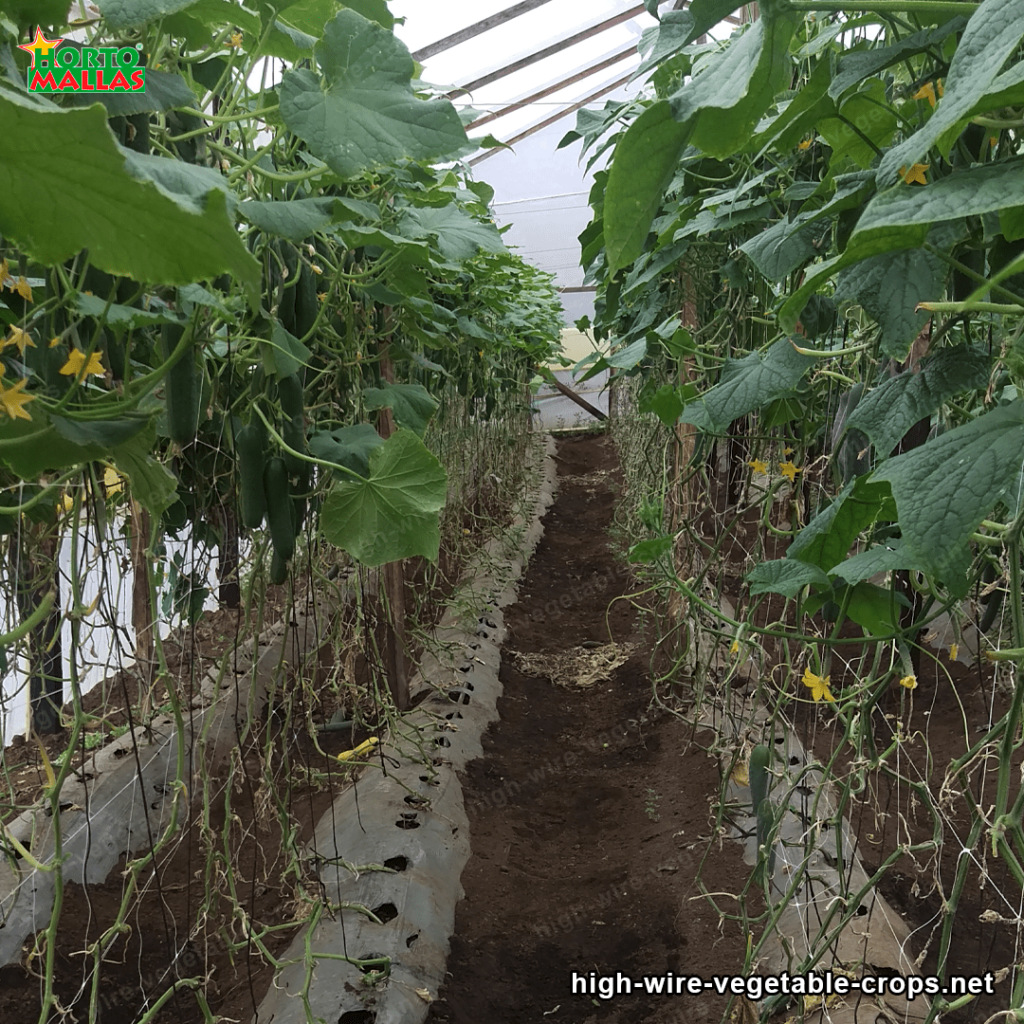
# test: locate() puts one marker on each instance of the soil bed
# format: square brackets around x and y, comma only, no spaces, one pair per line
[589,816]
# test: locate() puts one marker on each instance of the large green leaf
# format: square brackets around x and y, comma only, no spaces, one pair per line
[117,315]
[120,14]
[677,29]
[854,67]
[35,12]
[865,125]
[375,10]
[784,576]
[871,607]
[310,16]
[220,13]
[105,433]
[716,110]
[459,234]
[900,217]
[628,357]
[284,355]
[360,236]
[827,538]
[152,483]
[364,113]
[347,446]
[294,219]
[130,227]
[990,38]
[411,404]
[30,449]
[798,115]
[186,184]
[942,235]
[645,161]
[782,247]
[887,412]
[747,384]
[947,486]
[888,288]
[880,558]
[393,513]
[730,97]
[292,45]
[673,32]
[647,552]
[164,91]
[666,403]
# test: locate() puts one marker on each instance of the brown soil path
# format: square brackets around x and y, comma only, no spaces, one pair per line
[589,815]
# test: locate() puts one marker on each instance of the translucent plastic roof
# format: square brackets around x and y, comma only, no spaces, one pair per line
[540,190]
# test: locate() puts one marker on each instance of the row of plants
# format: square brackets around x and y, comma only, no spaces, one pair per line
[808,246]
[213,286]
[261,307]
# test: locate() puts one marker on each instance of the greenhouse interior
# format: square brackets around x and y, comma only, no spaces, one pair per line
[511,512]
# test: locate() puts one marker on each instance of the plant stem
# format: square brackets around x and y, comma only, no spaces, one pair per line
[944,8]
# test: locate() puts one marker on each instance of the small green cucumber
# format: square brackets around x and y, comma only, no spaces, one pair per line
[182,387]
[760,780]
[307,305]
[293,427]
[280,516]
[250,447]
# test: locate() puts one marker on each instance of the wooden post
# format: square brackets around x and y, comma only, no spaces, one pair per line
[578,399]
[229,591]
[682,495]
[33,557]
[394,578]
[142,611]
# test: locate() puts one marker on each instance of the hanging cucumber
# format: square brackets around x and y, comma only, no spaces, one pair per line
[289,255]
[307,305]
[250,446]
[293,426]
[299,505]
[278,569]
[280,514]
[760,778]
[114,350]
[182,388]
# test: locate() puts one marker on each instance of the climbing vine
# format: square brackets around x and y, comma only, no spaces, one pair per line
[258,313]
[808,251]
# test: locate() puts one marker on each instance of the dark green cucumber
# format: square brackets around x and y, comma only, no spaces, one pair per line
[280,516]
[298,512]
[307,305]
[760,780]
[289,390]
[250,446]
[182,387]
[293,426]
[286,294]
[278,569]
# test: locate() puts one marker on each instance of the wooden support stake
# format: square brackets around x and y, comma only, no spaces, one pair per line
[142,610]
[394,579]
[578,399]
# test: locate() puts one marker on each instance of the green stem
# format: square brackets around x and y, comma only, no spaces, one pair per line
[943,8]
[972,307]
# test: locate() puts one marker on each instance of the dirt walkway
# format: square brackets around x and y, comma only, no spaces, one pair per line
[589,814]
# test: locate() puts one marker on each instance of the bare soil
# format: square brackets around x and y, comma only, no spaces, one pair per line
[592,820]
[590,813]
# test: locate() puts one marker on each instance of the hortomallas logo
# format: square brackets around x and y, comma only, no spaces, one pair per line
[68,68]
